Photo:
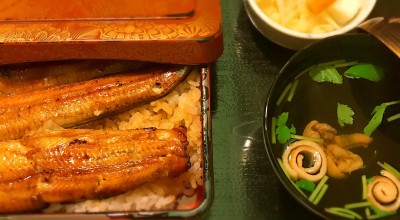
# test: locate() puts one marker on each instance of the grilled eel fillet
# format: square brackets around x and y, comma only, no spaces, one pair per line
[79,103]
[78,164]
[18,78]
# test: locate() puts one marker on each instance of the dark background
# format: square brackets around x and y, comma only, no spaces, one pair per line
[245,185]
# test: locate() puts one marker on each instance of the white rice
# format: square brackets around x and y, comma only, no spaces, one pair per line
[181,107]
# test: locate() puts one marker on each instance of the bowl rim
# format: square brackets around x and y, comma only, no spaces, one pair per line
[363,14]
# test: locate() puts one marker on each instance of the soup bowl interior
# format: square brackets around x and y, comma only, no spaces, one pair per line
[318,101]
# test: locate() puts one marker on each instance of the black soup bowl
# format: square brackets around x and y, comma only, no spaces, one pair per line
[332,128]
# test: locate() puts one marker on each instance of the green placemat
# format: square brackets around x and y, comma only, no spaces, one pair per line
[246,187]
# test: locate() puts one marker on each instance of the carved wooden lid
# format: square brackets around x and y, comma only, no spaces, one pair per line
[168,31]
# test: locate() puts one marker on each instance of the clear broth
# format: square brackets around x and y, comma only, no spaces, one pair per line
[318,101]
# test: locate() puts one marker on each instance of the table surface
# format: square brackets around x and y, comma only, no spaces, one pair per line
[245,185]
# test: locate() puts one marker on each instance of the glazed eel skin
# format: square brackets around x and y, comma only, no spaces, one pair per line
[77,164]
[25,77]
[73,104]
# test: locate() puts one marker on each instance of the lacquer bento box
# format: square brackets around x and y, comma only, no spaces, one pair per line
[106,115]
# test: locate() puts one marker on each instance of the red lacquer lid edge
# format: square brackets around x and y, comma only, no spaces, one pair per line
[194,40]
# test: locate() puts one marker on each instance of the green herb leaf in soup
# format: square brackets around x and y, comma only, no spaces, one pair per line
[345,114]
[366,71]
[377,117]
[306,185]
[326,74]
[283,131]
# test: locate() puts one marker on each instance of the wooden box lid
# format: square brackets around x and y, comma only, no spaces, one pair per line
[167,31]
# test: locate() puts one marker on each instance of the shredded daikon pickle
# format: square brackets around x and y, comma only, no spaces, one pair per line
[295,15]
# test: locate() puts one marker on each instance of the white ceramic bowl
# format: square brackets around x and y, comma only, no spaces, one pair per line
[293,39]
